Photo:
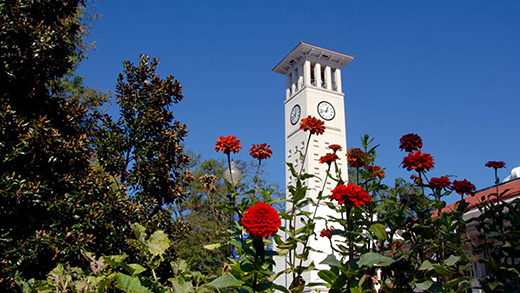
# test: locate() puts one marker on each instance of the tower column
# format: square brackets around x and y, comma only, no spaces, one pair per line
[300,77]
[317,75]
[294,82]
[307,72]
[337,79]
[328,78]
[288,86]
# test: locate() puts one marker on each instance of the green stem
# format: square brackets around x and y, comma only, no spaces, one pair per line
[312,219]
[257,177]
[231,175]
[232,198]
[293,209]
[305,154]
[350,247]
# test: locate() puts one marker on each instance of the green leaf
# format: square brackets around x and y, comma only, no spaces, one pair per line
[331,261]
[181,286]
[212,246]
[280,288]
[227,280]
[340,281]
[371,258]
[423,286]
[115,260]
[130,284]
[300,194]
[493,285]
[285,216]
[426,265]
[263,286]
[327,276]
[379,230]
[306,176]
[441,270]
[158,243]
[136,269]
[513,270]
[179,267]
[463,287]
[452,260]
[291,168]
[139,232]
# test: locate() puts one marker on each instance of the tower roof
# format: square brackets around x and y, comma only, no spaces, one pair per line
[315,53]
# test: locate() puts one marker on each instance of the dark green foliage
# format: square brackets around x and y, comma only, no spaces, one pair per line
[71,87]
[143,149]
[44,152]
[207,225]
[118,273]
[56,202]
[499,234]
[38,40]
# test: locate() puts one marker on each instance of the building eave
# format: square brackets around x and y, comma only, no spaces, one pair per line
[336,59]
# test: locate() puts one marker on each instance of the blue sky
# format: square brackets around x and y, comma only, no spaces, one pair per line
[446,70]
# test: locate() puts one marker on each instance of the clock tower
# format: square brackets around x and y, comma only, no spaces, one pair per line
[313,87]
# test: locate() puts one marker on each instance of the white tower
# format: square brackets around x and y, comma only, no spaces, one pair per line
[313,88]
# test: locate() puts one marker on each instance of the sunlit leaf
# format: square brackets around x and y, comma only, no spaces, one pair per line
[371,258]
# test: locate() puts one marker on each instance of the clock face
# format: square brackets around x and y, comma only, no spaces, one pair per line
[326,110]
[295,114]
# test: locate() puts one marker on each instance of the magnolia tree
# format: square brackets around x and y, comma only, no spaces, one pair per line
[384,239]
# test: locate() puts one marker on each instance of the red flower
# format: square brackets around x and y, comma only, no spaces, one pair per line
[326,232]
[356,157]
[335,147]
[410,142]
[438,183]
[261,151]
[463,187]
[496,165]
[228,144]
[376,171]
[261,220]
[396,244]
[351,194]
[328,158]
[418,161]
[312,124]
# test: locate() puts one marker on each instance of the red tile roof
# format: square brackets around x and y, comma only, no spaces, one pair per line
[512,187]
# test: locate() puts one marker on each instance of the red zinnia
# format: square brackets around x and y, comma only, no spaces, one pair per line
[351,194]
[463,187]
[418,161]
[228,144]
[376,171]
[261,151]
[410,142]
[396,244]
[312,124]
[326,232]
[261,220]
[356,157]
[328,158]
[335,147]
[438,183]
[496,165]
